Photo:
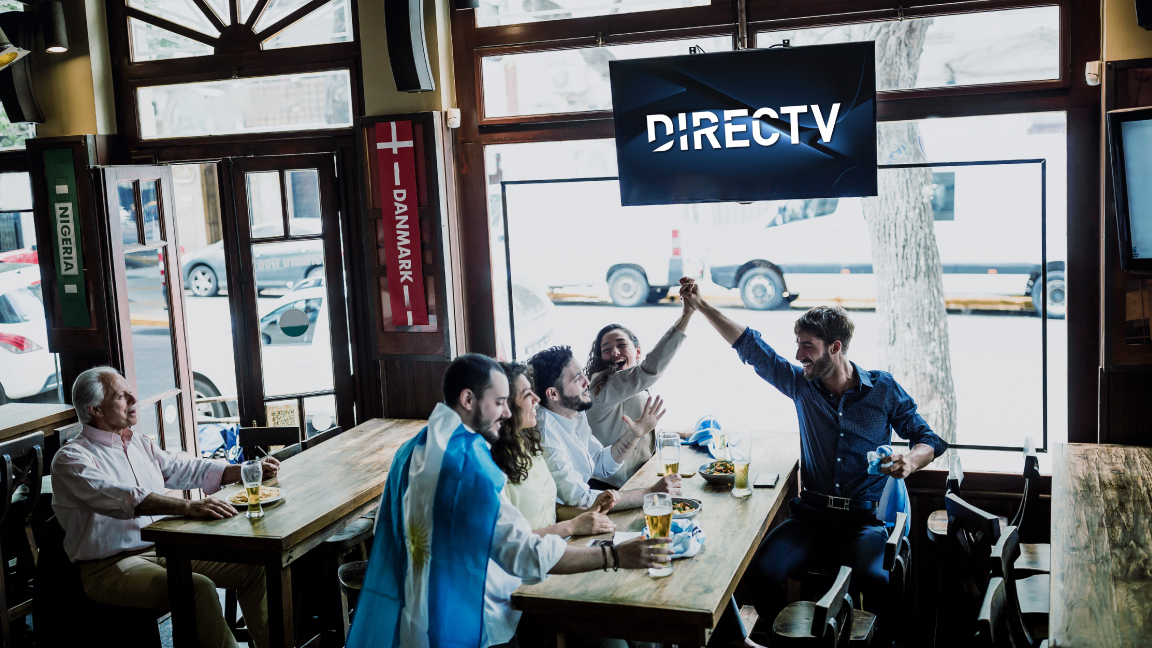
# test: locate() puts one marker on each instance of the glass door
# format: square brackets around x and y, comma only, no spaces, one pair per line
[145,264]
[291,293]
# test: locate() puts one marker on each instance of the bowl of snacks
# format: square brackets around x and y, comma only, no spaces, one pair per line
[719,472]
[684,508]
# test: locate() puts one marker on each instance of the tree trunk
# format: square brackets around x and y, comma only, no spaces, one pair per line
[914,344]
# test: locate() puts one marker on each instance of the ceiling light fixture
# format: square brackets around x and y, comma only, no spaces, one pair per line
[52,26]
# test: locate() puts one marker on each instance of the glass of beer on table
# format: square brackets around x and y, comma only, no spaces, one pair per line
[740,454]
[658,515]
[252,473]
[668,445]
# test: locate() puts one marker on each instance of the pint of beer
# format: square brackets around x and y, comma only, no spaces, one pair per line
[658,515]
[740,454]
[252,473]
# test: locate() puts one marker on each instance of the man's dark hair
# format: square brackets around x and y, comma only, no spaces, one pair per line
[469,371]
[829,323]
[548,365]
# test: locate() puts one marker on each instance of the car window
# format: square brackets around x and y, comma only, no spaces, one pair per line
[22,305]
[794,210]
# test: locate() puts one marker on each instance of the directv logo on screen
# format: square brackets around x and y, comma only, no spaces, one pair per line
[743,126]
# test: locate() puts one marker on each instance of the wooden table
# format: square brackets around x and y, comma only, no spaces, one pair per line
[1101,546]
[324,488]
[682,608]
[21,418]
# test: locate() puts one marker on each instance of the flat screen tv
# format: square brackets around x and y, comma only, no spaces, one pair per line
[771,124]
[1130,143]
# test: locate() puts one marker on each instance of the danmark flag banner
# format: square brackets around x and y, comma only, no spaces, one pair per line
[424,586]
[400,219]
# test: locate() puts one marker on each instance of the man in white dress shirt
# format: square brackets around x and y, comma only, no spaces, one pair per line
[109,482]
[574,456]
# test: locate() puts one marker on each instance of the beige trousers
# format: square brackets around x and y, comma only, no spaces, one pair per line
[139,579]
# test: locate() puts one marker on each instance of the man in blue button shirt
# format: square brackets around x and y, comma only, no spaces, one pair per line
[844,412]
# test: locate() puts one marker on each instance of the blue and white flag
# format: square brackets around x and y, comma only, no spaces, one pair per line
[424,587]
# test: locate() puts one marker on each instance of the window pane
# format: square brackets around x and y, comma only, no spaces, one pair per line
[151,323]
[246,7]
[181,12]
[147,423]
[12,136]
[149,199]
[303,202]
[264,204]
[276,10]
[320,413]
[152,43]
[15,192]
[965,49]
[511,12]
[295,344]
[220,8]
[28,370]
[170,422]
[126,193]
[565,81]
[331,23]
[296,102]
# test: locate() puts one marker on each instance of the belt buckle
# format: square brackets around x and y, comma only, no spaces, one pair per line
[838,503]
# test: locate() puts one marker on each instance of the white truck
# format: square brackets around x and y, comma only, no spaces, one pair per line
[987,230]
[586,239]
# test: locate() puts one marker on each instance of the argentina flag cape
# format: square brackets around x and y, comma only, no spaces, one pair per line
[424,586]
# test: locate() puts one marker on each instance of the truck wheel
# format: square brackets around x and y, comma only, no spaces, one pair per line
[628,287]
[761,289]
[656,294]
[1057,297]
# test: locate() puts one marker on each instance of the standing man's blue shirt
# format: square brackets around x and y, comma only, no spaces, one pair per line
[836,437]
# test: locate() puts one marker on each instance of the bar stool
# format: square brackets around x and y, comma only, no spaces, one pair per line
[351,577]
[334,554]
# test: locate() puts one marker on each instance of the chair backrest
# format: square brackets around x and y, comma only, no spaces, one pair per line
[955,474]
[832,616]
[975,532]
[316,439]
[1004,556]
[992,622]
[21,475]
[265,437]
[1031,492]
[68,432]
[288,452]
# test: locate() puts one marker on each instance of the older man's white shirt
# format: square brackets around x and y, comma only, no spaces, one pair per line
[574,456]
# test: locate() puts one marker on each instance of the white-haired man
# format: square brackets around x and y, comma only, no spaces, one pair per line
[108,483]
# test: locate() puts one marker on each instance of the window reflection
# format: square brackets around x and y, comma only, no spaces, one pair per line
[151,323]
[126,194]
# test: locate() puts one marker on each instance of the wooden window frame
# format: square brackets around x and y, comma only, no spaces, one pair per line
[127,76]
[1079,42]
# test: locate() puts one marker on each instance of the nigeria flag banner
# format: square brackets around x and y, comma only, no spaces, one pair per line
[424,586]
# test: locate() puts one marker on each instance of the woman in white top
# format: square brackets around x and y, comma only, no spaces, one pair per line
[619,380]
[530,484]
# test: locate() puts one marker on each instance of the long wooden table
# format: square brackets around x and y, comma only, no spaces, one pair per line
[325,488]
[683,608]
[1101,546]
[21,418]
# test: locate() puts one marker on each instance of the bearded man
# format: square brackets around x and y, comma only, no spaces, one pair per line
[844,412]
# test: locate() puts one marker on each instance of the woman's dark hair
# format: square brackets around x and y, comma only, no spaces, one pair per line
[596,364]
[469,371]
[514,449]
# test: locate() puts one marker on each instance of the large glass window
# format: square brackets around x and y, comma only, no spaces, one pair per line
[294,102]
[566,81]
[966,49]
[987,222]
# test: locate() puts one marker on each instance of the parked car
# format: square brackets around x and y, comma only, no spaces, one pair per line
[23,255]
[27,368]
[278,265]
[988,238]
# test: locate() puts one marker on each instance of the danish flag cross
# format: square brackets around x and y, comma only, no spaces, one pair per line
[394,144]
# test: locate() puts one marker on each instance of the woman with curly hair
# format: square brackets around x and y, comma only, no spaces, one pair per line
[531,487]
[619,380]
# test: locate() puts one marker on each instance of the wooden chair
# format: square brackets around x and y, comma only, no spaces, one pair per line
[992,626]
[317,439]
[898,559]
[253,440]
[1034,558]
[287,452]
[351,577]
[828,623]
[1028,598]
[21,474]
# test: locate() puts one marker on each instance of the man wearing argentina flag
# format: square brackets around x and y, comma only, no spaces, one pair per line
[450,548]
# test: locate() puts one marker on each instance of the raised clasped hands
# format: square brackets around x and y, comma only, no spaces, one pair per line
[651,415]
[689,293]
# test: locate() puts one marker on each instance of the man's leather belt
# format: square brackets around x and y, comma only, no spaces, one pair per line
[833,503]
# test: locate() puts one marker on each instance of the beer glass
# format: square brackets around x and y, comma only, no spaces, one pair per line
[252,473]
[668,445]
[658,515]
[740,454]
